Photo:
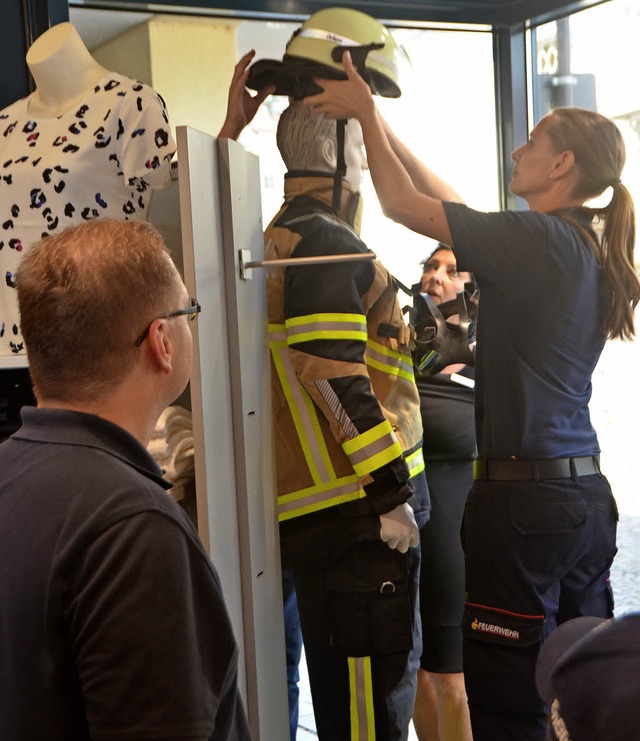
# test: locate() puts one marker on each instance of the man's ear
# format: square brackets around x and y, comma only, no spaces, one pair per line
[160,344]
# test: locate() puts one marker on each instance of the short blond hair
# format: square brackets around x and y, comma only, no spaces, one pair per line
[85,294]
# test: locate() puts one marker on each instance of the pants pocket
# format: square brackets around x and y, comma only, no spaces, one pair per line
[548,518]
[501,627]
[369,606]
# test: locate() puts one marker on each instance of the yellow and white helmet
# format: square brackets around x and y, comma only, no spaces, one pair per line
[316,48]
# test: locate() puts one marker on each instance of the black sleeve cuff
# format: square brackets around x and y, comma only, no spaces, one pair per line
[390,486]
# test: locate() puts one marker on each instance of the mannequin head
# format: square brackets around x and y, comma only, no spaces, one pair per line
[63,69]
[51,41]
[307,142]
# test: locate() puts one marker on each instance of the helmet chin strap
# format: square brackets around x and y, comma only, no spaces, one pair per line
[341,165]
[359,57]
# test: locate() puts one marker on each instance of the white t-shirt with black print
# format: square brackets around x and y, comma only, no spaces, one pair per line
[91,162]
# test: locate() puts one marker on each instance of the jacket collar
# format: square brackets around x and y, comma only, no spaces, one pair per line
[319,185]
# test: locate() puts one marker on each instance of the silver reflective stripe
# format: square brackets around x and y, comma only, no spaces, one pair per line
[315,497]
[277,336]
[338,411]
[362,714]
[301,411]
[316,33]
[403,363]
[377,446]
[415,462]
[293,330]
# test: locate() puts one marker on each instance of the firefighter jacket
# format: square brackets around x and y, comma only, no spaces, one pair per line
[346,410]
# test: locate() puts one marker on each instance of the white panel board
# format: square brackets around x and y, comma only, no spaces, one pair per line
[210,379]
[250,372]
[220,212]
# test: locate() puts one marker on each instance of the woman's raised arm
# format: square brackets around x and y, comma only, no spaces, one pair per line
[408,192]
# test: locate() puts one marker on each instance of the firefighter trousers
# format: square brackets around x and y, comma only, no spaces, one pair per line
[362,641]
[536,554]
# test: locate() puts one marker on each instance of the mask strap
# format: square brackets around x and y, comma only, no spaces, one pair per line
[341,166]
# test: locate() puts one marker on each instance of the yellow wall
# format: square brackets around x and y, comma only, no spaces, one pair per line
[192,61]
[127,53]
[189,61]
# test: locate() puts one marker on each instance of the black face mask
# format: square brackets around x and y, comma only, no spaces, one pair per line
[439,343]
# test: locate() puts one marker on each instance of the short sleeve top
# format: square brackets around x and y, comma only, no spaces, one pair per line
[539,330]
[93,161]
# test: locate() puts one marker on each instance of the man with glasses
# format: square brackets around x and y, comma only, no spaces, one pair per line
[191,312]
[112,620]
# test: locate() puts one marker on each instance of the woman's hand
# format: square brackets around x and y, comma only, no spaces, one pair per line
[241,105]
[350,98]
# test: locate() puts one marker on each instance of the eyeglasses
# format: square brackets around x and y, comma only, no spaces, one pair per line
[192,312]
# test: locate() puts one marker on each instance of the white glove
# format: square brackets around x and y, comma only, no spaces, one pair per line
[398,528]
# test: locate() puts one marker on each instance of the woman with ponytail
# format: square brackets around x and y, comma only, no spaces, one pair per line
[556,281]
[600,166]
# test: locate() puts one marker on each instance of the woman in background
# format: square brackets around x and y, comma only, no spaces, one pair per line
[449,447]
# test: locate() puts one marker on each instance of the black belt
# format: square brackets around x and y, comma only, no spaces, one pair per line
[552,468]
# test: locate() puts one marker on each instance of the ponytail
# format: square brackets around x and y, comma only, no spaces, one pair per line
[615,254]
[599,152]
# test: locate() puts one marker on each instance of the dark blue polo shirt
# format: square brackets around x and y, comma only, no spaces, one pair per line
[112,621]
[539,331]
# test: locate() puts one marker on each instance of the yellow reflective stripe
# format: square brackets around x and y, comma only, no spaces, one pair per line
[384,368]
[326,327]
[361,712]
[303,411]
[395,357]
[388,361]
[298,321]
[373,449]
[425,360]
[338,334]
[314,498]
[368,437]
[415,462]
[277,332]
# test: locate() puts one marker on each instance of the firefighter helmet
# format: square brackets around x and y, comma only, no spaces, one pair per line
[316,48]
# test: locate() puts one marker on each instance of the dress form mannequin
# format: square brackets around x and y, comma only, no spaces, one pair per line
[65,73]
[88,143]
[63,70]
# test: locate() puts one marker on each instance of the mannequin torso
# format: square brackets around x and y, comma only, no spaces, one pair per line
[88,143]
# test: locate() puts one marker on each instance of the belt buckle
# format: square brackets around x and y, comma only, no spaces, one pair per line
[480,469]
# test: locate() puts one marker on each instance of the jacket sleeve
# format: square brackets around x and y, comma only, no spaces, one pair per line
[326,328]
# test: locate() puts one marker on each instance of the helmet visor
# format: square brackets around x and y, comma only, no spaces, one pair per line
[292,77]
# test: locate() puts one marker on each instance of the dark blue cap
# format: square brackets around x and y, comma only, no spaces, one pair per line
[589,672]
